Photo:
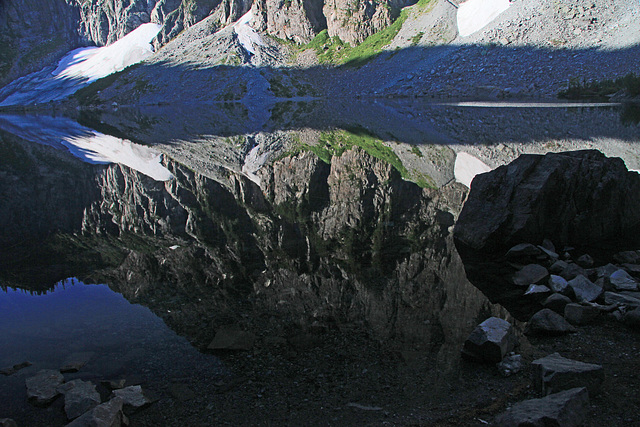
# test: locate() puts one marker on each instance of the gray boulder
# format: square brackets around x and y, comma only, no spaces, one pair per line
[108,414]
[585,261]
[584,289]
[554,373]
[556,302]
[559,284]
[490,341]
[578,314]
[567,408]
[79,397]
[571,271]
[530,274]
[620,280]
[621,299]
[132,396]
[547,322]
[42,388]
[558,266]
[510,365]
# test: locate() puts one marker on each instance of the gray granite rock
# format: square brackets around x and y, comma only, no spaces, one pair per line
[108,414]
[42,388]
[556,302]
[79,397]
[621,299]
[523,250]
[554,373]
[620,280]
[538,290]
[530,274]
[547,322]
[490,341]
[578,314]
[567,408]
[584,289]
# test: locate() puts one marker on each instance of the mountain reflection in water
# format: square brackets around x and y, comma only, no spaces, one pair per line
[345,256]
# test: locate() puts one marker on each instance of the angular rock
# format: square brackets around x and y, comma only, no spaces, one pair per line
[627,257]
[79,397]
[585,261]
[15,368]
[558,267]
[571,271]
[548,245]
[42,388]
[554,373]
[108,414]
[523,250]
[621,299]
[547,322]
[132,396]
[490,341]
[530,274]
[76,361]
[606,270]
[620,280]
[538,290]
[567,408]
[114,384]
[548,254]
[556,302]
[577,314]
[510,365]
[559,285]
[584,289]
[633,269]
[231,337]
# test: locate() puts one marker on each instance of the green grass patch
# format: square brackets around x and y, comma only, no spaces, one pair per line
[582,89]
[415,150]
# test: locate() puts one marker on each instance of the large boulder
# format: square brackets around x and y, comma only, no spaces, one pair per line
[490,341]
[548,322]
[567,409]
[580,199]
[79,397]
[554,373]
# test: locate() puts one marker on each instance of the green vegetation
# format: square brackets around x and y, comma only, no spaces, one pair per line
[416,39]
[415,150]
[577,89]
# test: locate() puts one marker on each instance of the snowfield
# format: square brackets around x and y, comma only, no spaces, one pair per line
[86,144]
[467,167]
[247,36]
[474,15]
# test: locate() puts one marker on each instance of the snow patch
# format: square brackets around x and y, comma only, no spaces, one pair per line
[247,36]
[467,167]
[86,144]
[473,15]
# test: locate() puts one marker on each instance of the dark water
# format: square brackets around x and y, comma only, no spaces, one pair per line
[313,251]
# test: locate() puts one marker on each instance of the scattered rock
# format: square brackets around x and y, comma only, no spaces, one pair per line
[15,368]
[606,270]
[79,397]
[558,267]
[556,302]
[490,341]
[584,289]
[571,271]
[620,280]
[108,414]
[585,261]
[42,388]
[538,290]
[76,361]
[550,254]
[621,299]
[567,409]
[530,274]
[510,365]
[554,373]
[560,285]
[577,314]
[132,396]
[547,322]
[231,337]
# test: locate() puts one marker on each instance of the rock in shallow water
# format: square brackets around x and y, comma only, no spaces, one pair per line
[490,341]
[566,408]
[108,414]
[42,388]
[79,397]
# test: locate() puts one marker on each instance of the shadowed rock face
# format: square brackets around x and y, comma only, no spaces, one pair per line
[580,199]
[317,245]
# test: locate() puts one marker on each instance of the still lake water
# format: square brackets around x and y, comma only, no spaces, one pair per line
[189,243]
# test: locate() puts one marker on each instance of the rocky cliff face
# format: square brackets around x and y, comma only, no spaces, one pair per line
[35,33]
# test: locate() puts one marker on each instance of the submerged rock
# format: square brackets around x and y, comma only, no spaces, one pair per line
[108,414]
[490,341]
[554,373]
[547,322]
[42,388]
[79,397]
[566,408]
[15,368]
